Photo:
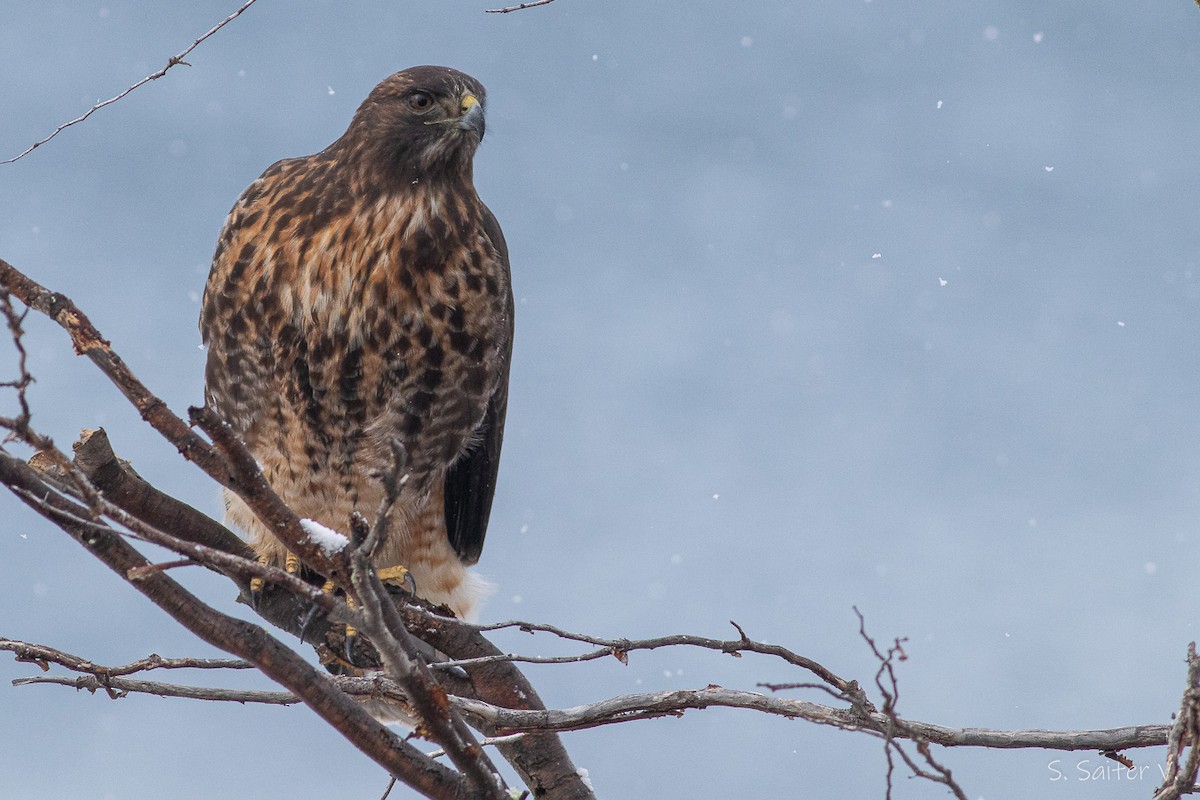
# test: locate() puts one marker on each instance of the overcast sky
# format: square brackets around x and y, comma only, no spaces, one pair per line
[821,304]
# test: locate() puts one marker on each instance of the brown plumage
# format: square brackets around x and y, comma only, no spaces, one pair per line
[360,294]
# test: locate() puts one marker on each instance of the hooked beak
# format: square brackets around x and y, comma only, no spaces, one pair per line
[472,115]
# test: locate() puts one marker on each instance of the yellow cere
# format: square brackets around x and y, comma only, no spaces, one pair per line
[467,102]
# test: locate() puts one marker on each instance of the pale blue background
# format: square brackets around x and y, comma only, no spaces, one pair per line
[821,304]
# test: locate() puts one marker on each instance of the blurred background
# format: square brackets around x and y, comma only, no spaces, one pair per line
[820,304]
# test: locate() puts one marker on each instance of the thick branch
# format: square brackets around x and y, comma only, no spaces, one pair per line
[117,482]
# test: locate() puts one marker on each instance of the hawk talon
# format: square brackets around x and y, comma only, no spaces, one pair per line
[327,588]
[351,635]
[399,576]
[308,618]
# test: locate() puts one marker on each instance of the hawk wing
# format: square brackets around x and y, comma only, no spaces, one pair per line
[471,480]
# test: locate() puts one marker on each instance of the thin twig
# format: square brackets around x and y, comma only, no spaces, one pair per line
[535,4]
[173,61]
[117,688]
[487,741]
[141,573]
[779,687]
[894,727]
[619,648]
[19,425]
[43,656]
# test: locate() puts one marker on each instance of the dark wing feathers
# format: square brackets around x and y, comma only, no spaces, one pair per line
[471,480]
[471,483]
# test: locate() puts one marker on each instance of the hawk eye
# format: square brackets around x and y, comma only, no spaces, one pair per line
[419,101]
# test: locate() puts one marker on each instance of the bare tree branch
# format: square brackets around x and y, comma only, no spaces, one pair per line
[617,709]
[674,702]
[540,758]
[173,61]
[239,566]
[126,494]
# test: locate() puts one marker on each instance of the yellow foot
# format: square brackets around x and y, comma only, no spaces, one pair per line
[396,574]
[256,584]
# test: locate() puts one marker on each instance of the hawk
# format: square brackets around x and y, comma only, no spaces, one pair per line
[361,296]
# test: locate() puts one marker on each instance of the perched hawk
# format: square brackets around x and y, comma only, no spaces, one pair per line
[361,295]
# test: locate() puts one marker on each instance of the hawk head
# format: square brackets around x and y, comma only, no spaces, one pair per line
[420,124]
